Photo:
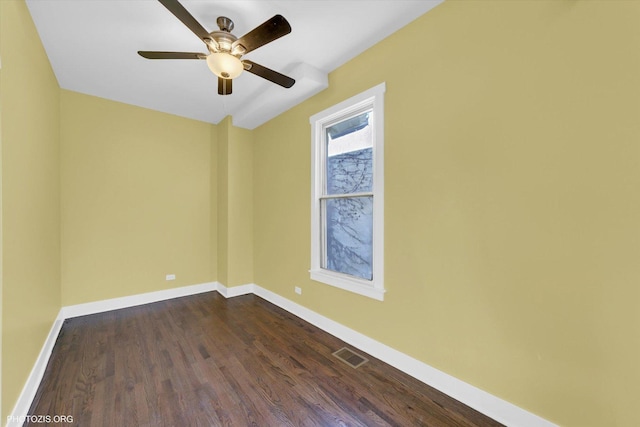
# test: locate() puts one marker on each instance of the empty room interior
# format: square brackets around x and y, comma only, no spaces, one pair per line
[506,265]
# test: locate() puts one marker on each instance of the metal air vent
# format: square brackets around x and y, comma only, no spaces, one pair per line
[350,357]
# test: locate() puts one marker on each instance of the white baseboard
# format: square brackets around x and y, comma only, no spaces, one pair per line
[16,419]
[483,402]
[235,291]
[133,300]
[492,406]
[21,409]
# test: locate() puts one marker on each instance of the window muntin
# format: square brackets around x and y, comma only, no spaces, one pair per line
[347,199]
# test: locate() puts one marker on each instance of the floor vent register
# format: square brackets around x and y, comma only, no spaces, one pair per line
[350,357]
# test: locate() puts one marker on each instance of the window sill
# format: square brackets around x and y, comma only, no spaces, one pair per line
[348,283]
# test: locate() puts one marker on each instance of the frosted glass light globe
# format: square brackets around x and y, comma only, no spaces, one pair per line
[224,65]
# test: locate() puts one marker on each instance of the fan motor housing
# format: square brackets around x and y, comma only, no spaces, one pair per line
[224,40]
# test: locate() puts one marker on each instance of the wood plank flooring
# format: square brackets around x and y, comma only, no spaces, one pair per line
[204,360]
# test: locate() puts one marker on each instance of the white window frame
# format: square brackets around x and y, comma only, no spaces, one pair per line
[374,99]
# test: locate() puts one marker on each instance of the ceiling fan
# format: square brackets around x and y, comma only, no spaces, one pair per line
[225,49]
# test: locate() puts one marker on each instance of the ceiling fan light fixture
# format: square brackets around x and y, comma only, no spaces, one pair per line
[224,65]
[225,49]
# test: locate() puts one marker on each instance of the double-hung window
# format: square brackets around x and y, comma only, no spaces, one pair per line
[347,195]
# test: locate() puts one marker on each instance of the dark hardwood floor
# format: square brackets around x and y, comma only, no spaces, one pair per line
[204,360]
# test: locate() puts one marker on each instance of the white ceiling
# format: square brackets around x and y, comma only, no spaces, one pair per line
[92,46]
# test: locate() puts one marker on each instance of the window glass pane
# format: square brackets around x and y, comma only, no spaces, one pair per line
[350,156]
[348,236]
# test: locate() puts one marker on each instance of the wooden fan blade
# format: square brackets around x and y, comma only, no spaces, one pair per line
[187,19]
[225,86]
[269,74]
[267,32]
[171,55]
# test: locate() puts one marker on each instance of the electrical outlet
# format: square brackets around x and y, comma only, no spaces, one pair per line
[171,277]
[298,290]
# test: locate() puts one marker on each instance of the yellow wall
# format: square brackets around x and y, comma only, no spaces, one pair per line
[512,170]
[30,197]
[135,199]
[240,193]
[235,205]
[100,199]
[213,204]
[512,203]
[1,252]
[223,197]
